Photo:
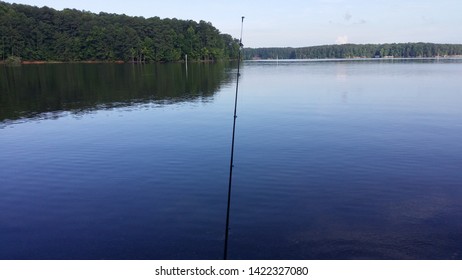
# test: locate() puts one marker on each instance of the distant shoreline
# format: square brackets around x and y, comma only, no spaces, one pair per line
[360,58]
[393,50]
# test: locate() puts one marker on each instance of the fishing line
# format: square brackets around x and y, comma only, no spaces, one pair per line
[231,164]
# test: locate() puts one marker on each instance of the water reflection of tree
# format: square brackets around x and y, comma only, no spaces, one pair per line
[38,90]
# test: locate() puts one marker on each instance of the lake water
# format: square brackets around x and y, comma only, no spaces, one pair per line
[333,160]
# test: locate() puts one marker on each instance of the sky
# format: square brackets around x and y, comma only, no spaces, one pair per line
[299,23]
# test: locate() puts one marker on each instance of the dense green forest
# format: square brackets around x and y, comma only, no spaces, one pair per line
[45,34]
[33,33]
[405,50]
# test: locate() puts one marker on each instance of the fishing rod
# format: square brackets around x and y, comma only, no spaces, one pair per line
[231,164]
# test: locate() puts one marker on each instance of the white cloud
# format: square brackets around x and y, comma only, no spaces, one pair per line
[341,40]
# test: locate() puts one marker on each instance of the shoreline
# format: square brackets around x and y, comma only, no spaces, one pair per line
[360,58]
[42,62]
[28,62]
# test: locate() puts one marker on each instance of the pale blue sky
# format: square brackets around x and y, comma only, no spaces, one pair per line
[296,23]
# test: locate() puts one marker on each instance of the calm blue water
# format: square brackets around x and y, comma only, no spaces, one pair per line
[333,160]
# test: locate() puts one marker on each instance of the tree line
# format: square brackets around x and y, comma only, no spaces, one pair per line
[45,34]
[401,50]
